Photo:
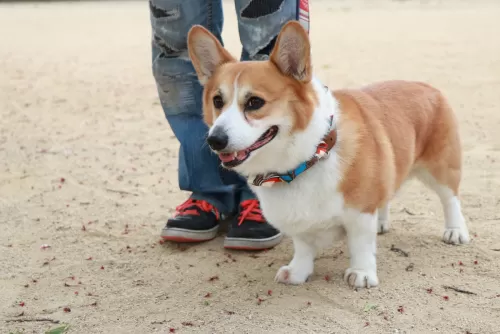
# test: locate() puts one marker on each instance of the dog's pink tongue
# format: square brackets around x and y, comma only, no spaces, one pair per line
[226,157]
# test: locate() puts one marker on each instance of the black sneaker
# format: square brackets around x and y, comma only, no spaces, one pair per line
[193,221]
[249,230]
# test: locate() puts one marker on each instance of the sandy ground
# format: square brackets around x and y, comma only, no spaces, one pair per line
[88,166]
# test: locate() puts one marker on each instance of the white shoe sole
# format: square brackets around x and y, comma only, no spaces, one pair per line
[252,244]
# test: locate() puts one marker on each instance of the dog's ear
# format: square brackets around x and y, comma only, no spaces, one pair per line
[292,52]
[206,52]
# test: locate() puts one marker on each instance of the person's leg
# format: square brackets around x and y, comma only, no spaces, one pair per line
[180,94]
[259,23]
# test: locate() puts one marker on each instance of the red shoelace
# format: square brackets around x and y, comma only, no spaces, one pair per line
[193,207]
[250,211]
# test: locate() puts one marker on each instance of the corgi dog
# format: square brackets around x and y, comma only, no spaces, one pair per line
[325,164]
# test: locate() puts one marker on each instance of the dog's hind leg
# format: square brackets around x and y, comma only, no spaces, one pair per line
[456,231]
[440,168]
[383,219]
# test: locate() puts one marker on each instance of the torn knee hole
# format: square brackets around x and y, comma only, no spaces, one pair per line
[259,8]
[166,50]
[157,12]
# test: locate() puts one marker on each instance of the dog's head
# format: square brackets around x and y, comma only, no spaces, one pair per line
[254,108]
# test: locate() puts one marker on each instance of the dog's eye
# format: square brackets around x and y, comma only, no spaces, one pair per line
[254,103]
[218,102]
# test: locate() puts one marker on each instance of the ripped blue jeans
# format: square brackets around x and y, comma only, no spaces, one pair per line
[259,22]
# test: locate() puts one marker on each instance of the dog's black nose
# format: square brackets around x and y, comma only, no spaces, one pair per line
[217,140]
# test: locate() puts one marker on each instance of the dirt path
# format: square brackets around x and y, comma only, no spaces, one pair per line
[88,166]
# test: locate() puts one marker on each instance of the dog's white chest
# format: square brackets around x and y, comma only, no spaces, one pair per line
[310,202]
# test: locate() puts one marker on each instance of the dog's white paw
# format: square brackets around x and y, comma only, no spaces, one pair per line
[291,275]
[358,278]
[383,226]
[456,236]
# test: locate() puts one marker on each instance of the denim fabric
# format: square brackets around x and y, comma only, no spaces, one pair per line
[259,22]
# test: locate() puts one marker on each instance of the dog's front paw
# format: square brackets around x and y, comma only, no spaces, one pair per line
[456,236]
[291,275]
[358,278]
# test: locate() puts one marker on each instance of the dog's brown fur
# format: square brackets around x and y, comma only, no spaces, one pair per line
[387,130]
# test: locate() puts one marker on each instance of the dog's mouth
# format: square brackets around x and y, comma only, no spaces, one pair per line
[233,159]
